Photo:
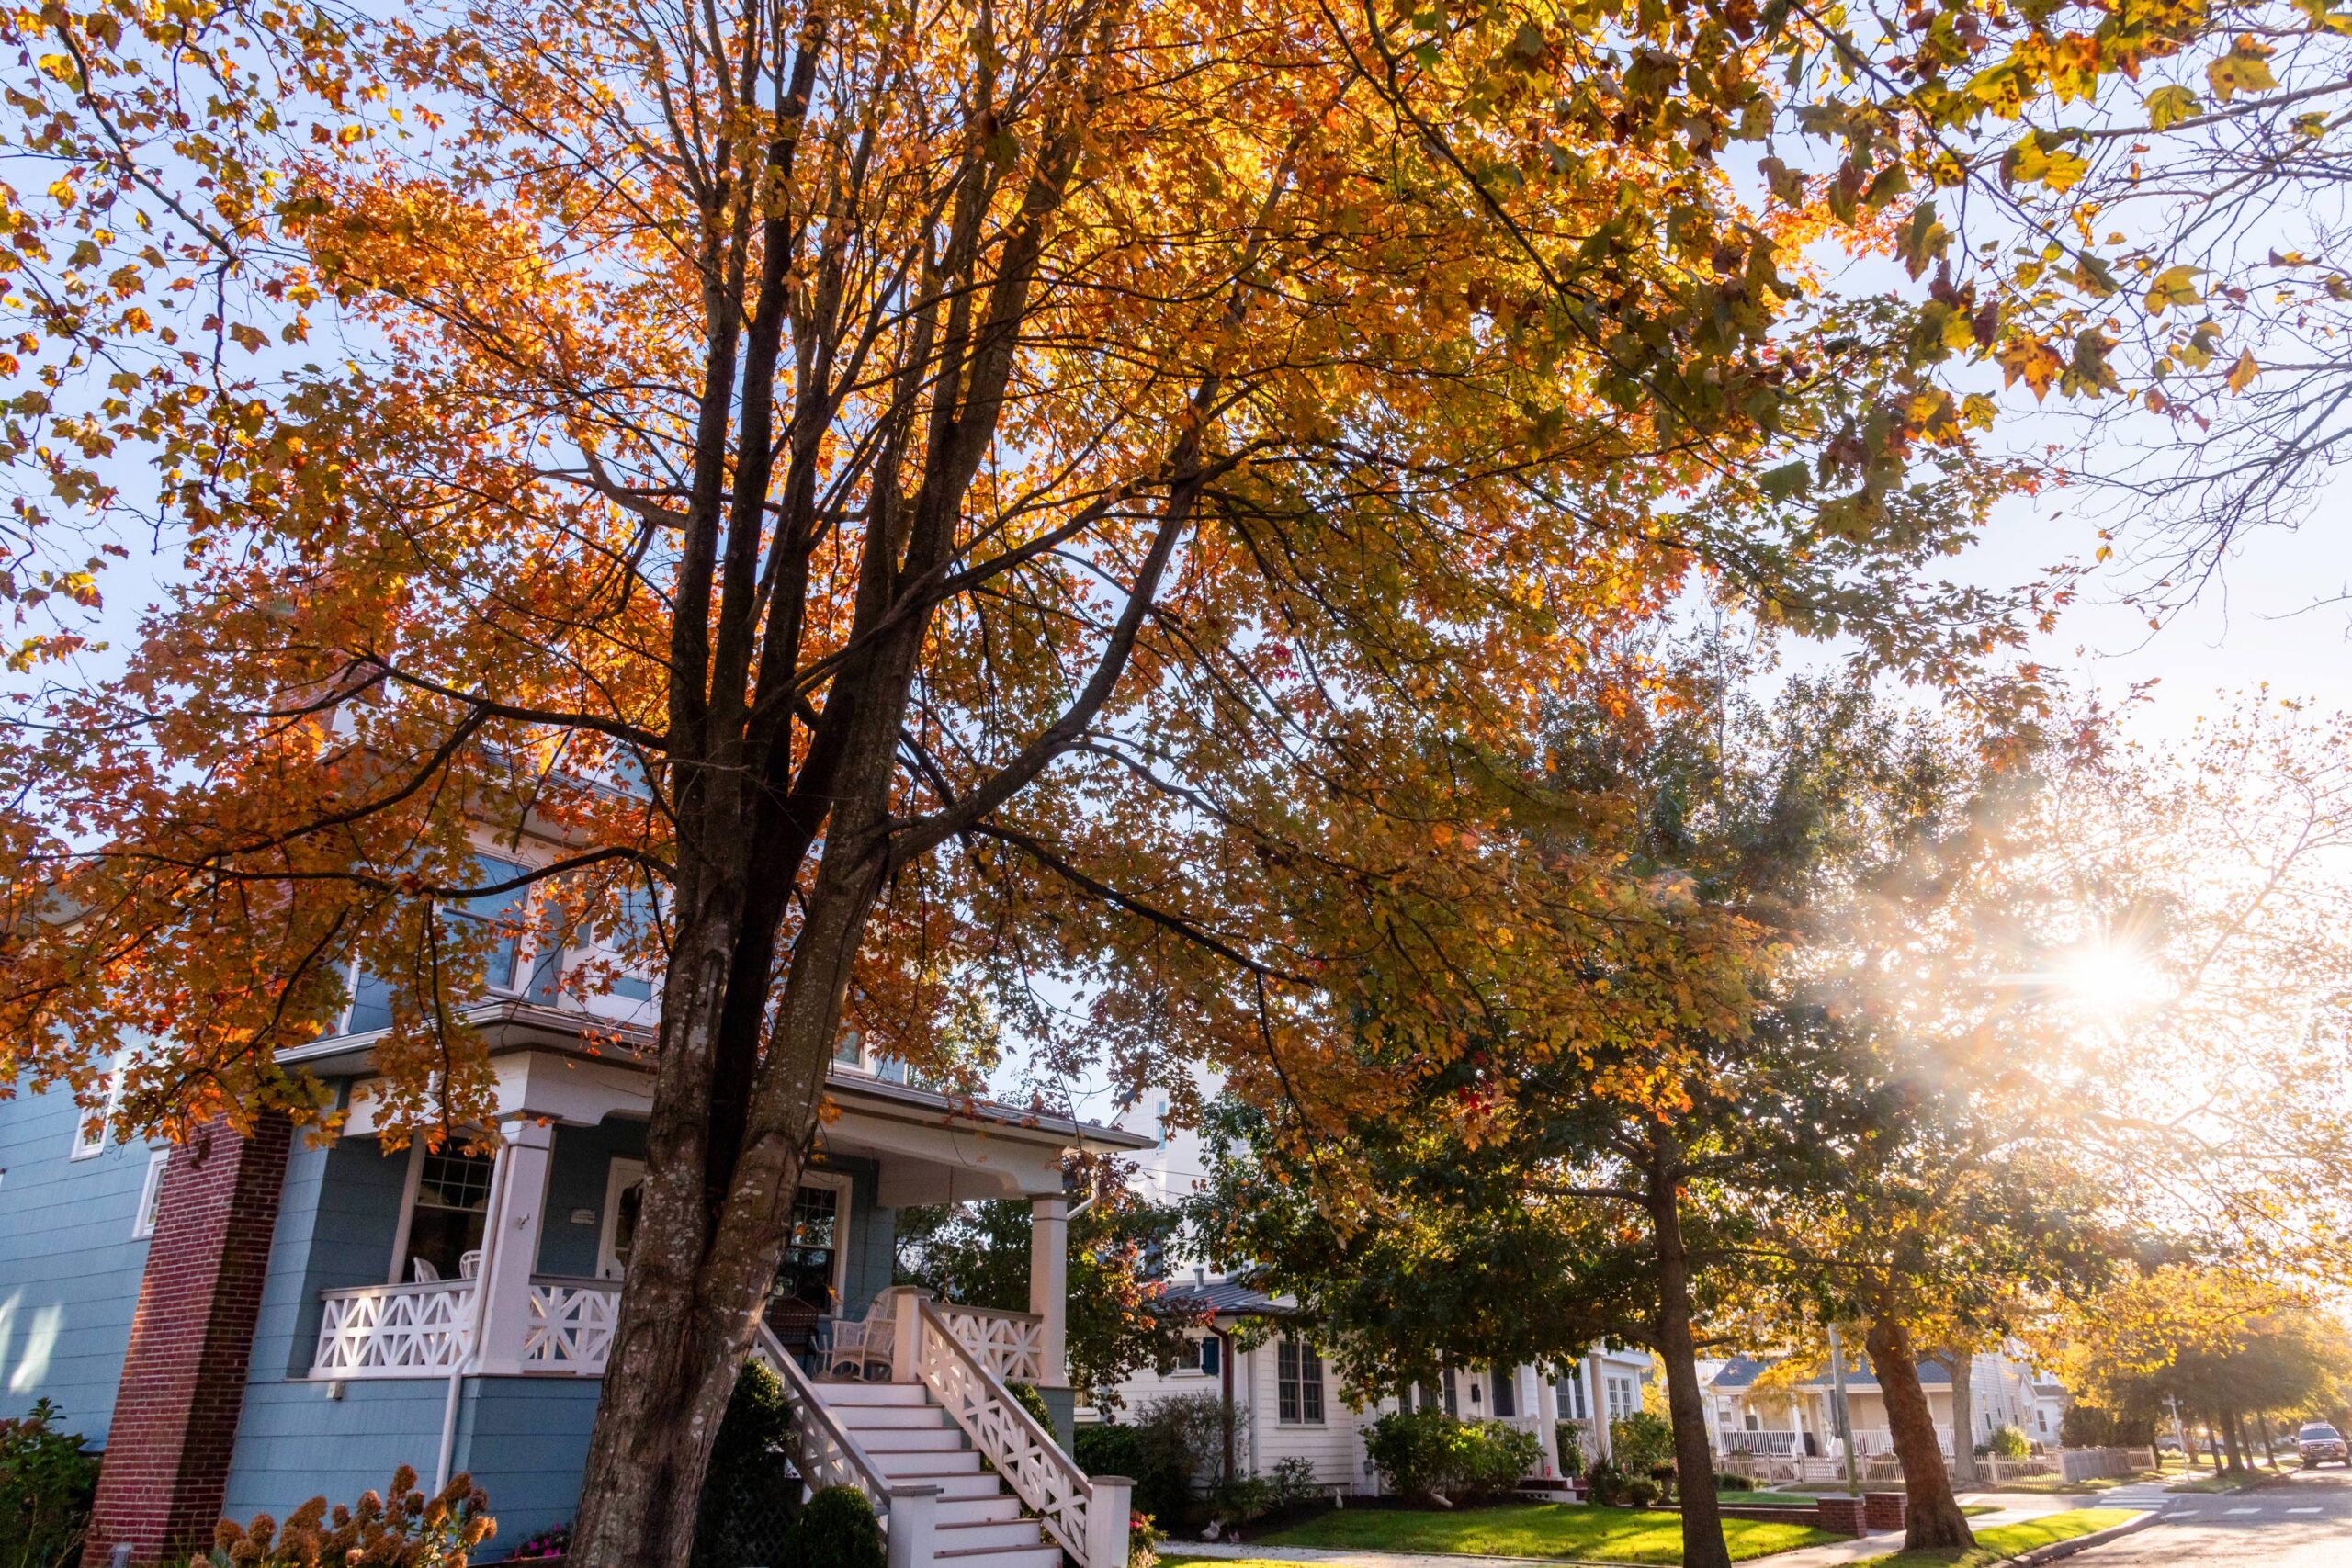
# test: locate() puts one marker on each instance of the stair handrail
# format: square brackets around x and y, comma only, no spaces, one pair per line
[1086,1516]
[828,1454]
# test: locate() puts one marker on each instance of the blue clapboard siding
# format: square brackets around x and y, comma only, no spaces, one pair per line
[578,1168]
[525,1441]
[69,1267]
[296,1442]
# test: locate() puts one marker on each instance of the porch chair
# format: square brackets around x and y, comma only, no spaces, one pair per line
[422,1272]
[867,1348]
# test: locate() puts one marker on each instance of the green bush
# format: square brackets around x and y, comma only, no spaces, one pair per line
[1242,1499]
[1569,1435]
[1163,1486]
[1643,1444]
[1029,1399]
[1294,1481]
[1425,1454]
[46,1484]
[837,1530]
[1606,1484]
[1732,1482]
[2007,1442]
[749,1495]
[1642,1491]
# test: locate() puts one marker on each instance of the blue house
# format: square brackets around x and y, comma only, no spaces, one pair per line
[240,1323]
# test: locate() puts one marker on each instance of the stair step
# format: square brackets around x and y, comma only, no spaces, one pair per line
[889,1417]
[933,1439]
[1005,1557]
[838,1395]
[950,1539]
[959,1486]
[910,1463]
[978,1510]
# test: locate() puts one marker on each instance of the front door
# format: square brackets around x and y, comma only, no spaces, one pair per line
[808,1282]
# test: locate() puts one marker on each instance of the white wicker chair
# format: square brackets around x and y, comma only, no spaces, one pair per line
[867,1348]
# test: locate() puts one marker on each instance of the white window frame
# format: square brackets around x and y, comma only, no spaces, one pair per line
[1300,1351]
[85,1146]
[1621,1394]
[840,1183]
[622,1170]
[1200,1350]
[151,1195]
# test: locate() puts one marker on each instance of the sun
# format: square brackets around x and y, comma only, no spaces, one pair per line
[2112,980]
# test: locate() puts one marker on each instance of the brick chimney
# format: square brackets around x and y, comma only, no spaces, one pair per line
[166,1465]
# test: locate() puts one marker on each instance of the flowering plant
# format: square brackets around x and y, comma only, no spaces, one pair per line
[1144,1536]
[404,1529]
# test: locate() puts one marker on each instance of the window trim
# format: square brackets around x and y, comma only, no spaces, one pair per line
[1291,1385]
[151,1195]
[85,1146]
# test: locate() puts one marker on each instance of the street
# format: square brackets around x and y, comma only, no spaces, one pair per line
[2304,1523]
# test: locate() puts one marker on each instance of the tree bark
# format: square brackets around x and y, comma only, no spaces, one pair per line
[1933,1516]
[1963,1419]
[1694,1456]
[2262,1430]
[2229,1438]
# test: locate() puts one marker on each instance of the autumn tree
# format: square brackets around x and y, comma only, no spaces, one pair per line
[843,509]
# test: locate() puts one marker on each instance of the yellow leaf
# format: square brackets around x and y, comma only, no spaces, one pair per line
[2174,286]
[2242,373]
[2246,69]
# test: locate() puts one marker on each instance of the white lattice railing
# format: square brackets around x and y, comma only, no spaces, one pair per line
[425,1331]
[395,1331]
[1088,1518]
[1010,1344]
[571,1326]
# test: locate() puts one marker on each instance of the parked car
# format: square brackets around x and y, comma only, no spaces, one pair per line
[2168,1444]
[2318,1443]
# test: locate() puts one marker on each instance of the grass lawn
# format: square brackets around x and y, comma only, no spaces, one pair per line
[1770,1499]
[1537,1529]
[2004,1542]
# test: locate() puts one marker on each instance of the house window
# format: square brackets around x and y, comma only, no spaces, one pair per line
[809,1282]
[451,1210]
[1574,1389]
[151,1196]
[1506,1393]
[90,1139]
[1452,1394]
[1623,1396]
[1755,1422]
[1298,1382]
[1200,1355]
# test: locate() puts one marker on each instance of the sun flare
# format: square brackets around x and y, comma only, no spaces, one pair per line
[2113,980]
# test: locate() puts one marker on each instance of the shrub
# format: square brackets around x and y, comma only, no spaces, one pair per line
[1569,1435]
[1294,1481]
[1163,1484]
[1144,1536]
[1028,1398]
[1188,1435]
[2007,1442]
[402,1528]
[1242,1499]
[46,1484]
[1427,1453]
[1727,1482]
[1641,1443]
[552,1542]
[1641,1491]
[1606,1484]
[837,1530]
[750,1493]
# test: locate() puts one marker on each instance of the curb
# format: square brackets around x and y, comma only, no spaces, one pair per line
[2058,1549]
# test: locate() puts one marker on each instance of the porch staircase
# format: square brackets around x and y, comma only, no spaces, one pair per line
[910,1438]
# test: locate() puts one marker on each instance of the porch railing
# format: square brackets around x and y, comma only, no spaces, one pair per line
[1010,1344]
[427,1330]
[1088,1516]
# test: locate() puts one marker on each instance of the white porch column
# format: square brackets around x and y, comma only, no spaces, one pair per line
[1598,1418]
[1548,1423]
[1049,1284]
[509,1248]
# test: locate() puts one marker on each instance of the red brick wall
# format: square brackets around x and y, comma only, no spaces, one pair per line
[1840,1516]
[183,1376]
[1884,1510]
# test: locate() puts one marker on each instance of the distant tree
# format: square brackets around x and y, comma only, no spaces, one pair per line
[1120,1316]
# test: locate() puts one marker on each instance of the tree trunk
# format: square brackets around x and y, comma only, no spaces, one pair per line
[1933,1516]
[1963,1419]
[2229,1438]
[1694,1456]
[2213,1440]
[2262,1430]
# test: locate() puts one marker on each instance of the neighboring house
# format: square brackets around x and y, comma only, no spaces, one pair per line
[240,1323]
[1756,1414]
[1287,1402]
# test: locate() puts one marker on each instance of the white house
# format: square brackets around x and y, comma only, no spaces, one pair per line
[1756,1414]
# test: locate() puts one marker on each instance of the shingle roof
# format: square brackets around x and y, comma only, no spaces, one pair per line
[1229,1298]
[1741,1372]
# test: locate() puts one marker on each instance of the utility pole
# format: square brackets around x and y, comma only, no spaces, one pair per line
[1838,1402]
[2180,1434]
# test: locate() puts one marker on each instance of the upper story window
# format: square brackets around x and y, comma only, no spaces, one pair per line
[1623,1393]
[1203,1354]
[90,1136]
[151,1196]
[1298,1382]
[447,1221]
